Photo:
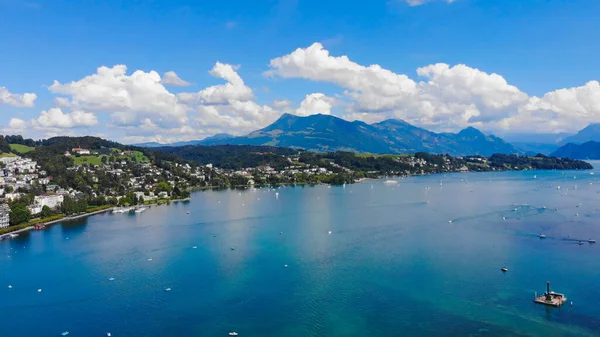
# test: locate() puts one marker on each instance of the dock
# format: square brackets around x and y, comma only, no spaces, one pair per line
[550,298]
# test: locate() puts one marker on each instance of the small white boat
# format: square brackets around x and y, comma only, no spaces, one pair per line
[150,259]
[285,265]
[167,289]
[39,290]
[504,269]
[449,221]
[111,279]
[108,334]
[9,286]
[194,247]
[542,236]
[329,232]
[233,333]
[64,333]
[391,182]
[591,241]
[188,212]
[140,210]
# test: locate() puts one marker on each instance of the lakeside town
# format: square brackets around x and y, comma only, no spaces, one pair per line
[44,184]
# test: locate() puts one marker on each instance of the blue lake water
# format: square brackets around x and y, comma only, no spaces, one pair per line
[393,264]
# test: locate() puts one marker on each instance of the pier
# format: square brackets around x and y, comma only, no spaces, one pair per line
[550,298]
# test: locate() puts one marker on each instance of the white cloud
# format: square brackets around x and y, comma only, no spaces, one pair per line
[316,103]
[422,2]
[234,89]
[26,100]
[446,99]
[56,118]
[17,124]
[171,78]
[128,98]
[280,104]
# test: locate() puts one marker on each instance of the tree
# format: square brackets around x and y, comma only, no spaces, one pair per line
[19,213]
[46,212]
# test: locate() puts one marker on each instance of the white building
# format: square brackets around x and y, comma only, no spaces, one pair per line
[12,196]
[4,215]
[80,151]
[51,200]
[35,209]
[8,160]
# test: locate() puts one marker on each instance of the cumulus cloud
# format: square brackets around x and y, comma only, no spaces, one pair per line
[422,2]
[18,100]
[56,118]
[128,98]
[17,124]
[316,103]
[171,78]
[442,97]
[234,89]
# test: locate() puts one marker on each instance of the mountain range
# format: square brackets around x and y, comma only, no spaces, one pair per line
[324,133]
[329,133]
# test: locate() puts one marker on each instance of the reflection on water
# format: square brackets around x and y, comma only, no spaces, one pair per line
[421,257]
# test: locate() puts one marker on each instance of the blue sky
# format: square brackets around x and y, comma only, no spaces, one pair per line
[535,47]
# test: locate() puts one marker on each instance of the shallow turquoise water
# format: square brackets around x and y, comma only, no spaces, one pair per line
[393,265]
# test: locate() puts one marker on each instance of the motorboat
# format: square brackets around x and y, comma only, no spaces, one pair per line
[233,333]
[542,236]
[591,241]
[64,333]
[504,269]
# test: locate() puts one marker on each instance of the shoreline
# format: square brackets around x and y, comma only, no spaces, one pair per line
[204,188]
[85,215]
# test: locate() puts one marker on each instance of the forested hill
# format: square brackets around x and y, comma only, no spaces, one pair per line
[232,156]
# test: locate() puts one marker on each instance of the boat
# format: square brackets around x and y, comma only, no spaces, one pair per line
[391,182]
[542,236]
[233,333]
[591,241]
[504,269]
[188,212]
[232,248]
[140,210]
[329,232]
[39,290]
[580,242]
[111,279]
[108,334]
[64,333]
[168,289]
[9,286]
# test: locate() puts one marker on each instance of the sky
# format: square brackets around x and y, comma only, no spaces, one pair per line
[173,70]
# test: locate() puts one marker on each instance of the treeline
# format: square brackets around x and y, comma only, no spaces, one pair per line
[539,162]
[232,157]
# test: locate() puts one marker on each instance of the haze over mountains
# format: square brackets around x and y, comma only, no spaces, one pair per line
[329,133]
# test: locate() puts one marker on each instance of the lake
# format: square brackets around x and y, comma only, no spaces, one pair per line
[418,258]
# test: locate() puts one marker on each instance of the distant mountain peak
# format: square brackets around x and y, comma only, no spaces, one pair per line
[321,132]
[470,132]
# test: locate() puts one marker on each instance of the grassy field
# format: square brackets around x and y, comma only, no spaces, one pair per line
[5,154]
[90,160]
[21,148]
